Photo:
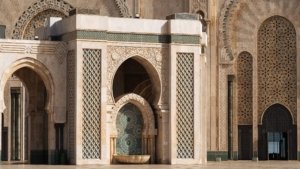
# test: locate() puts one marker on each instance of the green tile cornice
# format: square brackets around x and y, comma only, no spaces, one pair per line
[131,37]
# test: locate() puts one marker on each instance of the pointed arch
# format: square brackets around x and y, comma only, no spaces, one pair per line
[274,111]
[38,68]
[152,73]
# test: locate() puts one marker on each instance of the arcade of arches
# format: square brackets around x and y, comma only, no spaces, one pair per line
[148,81]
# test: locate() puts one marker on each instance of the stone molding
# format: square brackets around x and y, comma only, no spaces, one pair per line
[224,20]
[58,49]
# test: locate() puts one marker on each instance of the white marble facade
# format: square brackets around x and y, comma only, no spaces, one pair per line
[78,73]
[209,81]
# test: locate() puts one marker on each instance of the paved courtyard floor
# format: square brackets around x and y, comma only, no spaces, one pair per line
[209,165]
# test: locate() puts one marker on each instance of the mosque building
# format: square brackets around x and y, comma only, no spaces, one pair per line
[149,81]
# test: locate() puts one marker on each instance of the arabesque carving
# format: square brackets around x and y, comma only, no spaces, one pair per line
[143,105]
[56,6]
[123,7]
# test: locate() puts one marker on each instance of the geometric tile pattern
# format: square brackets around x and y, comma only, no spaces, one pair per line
[130,127]
[130,37]
[277,65]
[244,82]
[185,105]
[91,132]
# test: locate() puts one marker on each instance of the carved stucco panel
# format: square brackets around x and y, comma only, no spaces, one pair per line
[239,22]
[197,5]
[36,13]
[57,49]
[123,7]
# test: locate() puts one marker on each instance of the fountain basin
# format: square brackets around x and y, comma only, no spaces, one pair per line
[132,159]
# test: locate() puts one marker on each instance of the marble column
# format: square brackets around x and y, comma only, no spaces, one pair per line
[162,142]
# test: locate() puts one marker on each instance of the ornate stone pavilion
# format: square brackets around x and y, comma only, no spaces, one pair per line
[168,82]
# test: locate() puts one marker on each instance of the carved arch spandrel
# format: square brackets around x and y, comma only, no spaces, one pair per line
[35,9]
[123,7]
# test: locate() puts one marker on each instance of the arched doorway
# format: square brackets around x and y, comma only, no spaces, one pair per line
[26,91]
[277,135]
[277,83]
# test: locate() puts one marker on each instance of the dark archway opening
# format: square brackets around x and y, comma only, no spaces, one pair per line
[132,77]
[25,120]
[277,135]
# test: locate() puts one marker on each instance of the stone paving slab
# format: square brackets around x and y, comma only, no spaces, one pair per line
[209,165]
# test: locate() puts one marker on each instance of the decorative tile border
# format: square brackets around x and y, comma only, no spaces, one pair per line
[129,37]
[213,155]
